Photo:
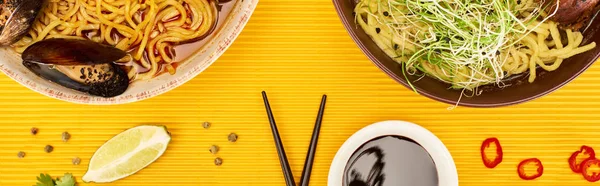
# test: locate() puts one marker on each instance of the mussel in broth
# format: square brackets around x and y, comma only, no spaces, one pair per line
[71,52]
[81,65]
[16,17]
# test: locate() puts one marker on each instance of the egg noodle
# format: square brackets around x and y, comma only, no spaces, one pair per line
[469,43]
[148,29]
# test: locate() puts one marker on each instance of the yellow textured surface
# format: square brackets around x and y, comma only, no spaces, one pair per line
[296,51]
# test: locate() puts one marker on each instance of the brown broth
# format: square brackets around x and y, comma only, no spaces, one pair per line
[183,51]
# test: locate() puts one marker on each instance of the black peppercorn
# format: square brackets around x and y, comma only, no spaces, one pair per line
[34,130]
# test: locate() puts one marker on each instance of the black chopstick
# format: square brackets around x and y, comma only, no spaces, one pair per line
[312,148]
[285,166]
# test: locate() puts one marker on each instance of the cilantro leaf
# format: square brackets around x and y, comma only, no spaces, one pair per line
[66,180]
[44,180]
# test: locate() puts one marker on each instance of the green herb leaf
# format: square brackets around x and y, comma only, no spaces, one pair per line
[44,180]
[66,180]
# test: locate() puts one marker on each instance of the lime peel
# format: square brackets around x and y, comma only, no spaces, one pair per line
[125,165]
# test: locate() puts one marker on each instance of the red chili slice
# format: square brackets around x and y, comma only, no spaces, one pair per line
[491,163]
[529,162]
[590,169]
[587,152]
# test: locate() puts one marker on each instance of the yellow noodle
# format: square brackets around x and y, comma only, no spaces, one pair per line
[579,50]
[72,11]
[555,35]
[524,63]
[143,46]
[123,44]
[107,35]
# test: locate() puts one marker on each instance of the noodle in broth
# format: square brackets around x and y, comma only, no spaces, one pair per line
[147,29]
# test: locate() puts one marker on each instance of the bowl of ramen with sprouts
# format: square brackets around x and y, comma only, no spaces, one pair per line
[485,53]
[114,51]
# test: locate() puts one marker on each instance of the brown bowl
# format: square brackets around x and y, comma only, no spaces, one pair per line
[519,91]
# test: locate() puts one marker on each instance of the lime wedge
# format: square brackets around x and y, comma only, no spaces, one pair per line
[127,153]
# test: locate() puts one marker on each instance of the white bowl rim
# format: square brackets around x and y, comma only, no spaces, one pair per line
[218,45]
[446,169]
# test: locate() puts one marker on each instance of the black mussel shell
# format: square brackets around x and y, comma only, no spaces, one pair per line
[16,17]
[59,51]
[105,80]
[81,65]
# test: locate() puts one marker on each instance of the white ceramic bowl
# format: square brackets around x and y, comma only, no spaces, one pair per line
[10,64]
[446,170]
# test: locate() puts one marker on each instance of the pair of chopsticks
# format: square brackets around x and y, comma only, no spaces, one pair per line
[310,155]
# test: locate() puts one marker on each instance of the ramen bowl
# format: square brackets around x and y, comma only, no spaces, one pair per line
[518,91]
[230,25]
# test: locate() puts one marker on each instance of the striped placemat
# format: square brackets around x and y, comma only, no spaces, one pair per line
[296,51]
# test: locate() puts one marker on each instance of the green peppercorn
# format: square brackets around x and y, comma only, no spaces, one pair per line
[214,149]
[21,154]
[66,136]
[76,161]
[218,161]
[232,137]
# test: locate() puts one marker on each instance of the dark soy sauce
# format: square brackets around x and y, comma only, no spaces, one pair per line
[390,161]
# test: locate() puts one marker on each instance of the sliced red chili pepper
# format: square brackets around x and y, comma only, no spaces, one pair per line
[528,163]
[491,163]
[579,156]
[590,169]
